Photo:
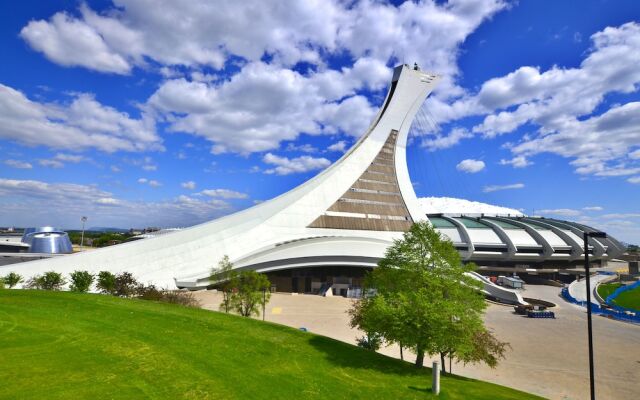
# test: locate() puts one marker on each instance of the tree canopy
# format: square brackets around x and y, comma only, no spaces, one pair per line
[424,299]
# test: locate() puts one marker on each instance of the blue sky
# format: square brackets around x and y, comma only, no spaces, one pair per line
[138,113]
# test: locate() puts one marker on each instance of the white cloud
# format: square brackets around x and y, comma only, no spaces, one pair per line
[450,140]
[188,185]
[150,167]
[51,163]
[517,162]
[115,168]
[339,146]
[81,124]
[470,166]
[143,180]
[154,183]
[593,208]
[31,202]
[635,179]
[72,158]
[305,148]
[565,212]
[286,166]
[263,105]
[621,215]
[18,164]
[495,188]
[120,38]
[560,102]
[224,193]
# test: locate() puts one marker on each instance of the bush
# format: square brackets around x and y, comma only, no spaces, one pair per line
[49,281]
[81,281]
[12,279]
[371,341]
[126,285]
[1,283]
[151,292]
[106,282]
[186,299]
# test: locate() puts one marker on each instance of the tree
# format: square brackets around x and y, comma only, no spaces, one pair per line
[106,282]
[12,279]
[251,291]
[81,281]
[226,277]
[424,299]
[125,285]
[49,281]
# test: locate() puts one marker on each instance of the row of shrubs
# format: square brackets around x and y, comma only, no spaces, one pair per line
[121,285]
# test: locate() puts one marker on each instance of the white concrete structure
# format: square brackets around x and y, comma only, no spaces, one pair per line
[346,216]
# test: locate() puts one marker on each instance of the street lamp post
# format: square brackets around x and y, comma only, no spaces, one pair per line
[586,237]
[83,219]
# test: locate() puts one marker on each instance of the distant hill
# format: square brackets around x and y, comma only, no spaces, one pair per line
[106,229]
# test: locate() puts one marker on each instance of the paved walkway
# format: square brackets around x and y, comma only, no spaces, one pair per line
[547,357]
[578,289]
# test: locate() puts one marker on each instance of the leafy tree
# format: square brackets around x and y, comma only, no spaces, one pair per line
[81,281]
[49,281]
[12,279]
[248,294]
[226,277]
[106,282]
[1,283]
[125,285]
[425,300]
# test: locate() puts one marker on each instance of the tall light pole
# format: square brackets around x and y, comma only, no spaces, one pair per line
[586,236]
[83,219]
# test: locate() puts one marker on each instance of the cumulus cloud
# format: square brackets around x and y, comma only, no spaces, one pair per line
[154,183]
[635,179]
[30,203]
[561,102]
[18,164]
[224,194]
[517,162]
[339,146]
[263,105]
[445,141]
[495,188]
[470,166]
[593,208]
[564,212]
[50,163]
[81,124]
[286,166]
[188,185]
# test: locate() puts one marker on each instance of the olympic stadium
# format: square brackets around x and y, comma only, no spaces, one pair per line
[327,232]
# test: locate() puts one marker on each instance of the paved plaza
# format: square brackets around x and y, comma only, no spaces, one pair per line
[548,357]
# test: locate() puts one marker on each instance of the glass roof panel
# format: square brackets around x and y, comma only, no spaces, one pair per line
[505,225]
[439,222]
[472,223]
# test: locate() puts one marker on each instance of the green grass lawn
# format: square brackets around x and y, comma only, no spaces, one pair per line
[628,299]
[605,289]
[59,345]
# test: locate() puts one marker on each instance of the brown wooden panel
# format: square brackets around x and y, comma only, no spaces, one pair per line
[378,177]
[367,224]
[377,209]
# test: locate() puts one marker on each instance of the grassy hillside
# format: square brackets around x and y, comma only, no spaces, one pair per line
[81,346]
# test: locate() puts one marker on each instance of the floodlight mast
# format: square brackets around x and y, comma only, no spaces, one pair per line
[586,236]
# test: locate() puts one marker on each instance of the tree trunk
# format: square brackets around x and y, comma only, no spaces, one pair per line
[419,358]
[444,366]
[401,356]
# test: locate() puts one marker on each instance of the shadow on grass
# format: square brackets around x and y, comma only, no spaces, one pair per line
[348,356]
[417,389]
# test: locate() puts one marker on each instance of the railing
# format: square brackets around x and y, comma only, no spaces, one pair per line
[596,309]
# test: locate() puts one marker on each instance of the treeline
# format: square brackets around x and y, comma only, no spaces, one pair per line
[99,239]
[120,285]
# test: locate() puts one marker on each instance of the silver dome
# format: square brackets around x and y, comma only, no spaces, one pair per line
[55,242]
[28,231]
